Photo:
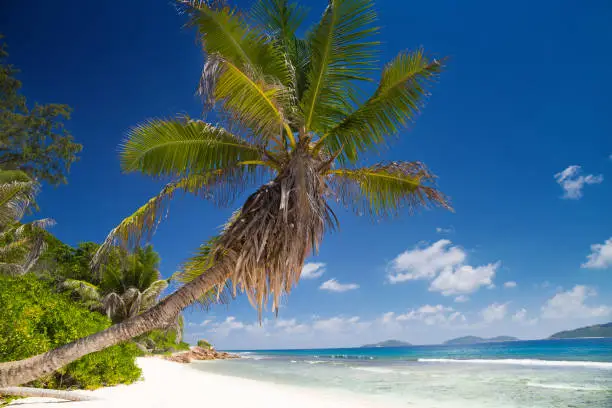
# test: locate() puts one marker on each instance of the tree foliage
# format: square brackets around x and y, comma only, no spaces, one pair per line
[33,139]
[34,318]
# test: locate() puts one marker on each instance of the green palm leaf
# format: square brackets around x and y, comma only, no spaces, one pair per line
[341,52]
[383,189]
[150,295]
[225,33]
[259,104]
[131,230]
[178,147]
[397,100]
[88,292]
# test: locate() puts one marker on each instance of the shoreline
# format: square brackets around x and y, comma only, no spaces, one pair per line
[167,384]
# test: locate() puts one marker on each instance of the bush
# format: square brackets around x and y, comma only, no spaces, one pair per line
[204,344]
[162,342]
[35,319]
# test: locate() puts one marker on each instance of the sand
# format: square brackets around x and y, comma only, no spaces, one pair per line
[172,385]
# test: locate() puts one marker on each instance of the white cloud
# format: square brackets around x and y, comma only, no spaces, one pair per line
[444,264]
[462,299]
[600,256]
[224,328]
[339,324]
[521,317]
[494,312]
[425,263]
[334,286]
[312,270]
[441,230]
[464,279]
[510,284]
[571,304]
[432,315]
[573,182]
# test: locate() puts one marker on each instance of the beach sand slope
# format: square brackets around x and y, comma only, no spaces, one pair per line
[167,384]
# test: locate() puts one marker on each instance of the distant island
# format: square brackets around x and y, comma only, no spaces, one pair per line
[388,343]
[478,340]
[598,330]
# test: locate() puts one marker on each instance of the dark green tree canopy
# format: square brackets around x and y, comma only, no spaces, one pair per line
[33,139]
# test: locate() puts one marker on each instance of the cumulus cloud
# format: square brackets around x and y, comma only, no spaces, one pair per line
[510,284]
[425,263]
[333,285]
[464,279]
[312,270]
[600,256]
[441,230]
[521,317]
[340,324]
[571,304]
[572,181]
[432,315]
[462,299]
[443,264]
[494,312]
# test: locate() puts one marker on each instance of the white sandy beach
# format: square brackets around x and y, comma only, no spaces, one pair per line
[167,384]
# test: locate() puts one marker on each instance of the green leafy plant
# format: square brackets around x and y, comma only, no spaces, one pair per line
[204,344]
[34,319]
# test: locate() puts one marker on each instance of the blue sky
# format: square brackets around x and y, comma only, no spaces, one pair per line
[525,98]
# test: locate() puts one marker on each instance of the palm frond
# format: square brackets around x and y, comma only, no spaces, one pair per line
[397,100]
[15,199]
[224,32]
[88,292]
[150,295]
[385,188]
[279,19]
[114,305]
[177,148]
[142,223]
[199,264]
[260,104]
[132,299]
[342,51]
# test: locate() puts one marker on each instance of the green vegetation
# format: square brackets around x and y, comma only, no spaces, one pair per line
[35,318]
[598,330]
[204,344]
[32,140]
[49,294]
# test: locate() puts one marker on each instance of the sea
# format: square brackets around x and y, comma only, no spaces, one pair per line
[526,374]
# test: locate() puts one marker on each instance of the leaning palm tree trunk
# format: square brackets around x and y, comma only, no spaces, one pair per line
[23,371]
[290,208]
[45,393]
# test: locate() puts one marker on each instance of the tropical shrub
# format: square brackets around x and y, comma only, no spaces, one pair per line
[35,319]
[204,344]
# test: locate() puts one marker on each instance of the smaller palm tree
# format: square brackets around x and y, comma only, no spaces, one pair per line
[123,290]
[21,245]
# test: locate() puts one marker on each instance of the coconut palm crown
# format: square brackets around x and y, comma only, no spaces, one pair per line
[288,109]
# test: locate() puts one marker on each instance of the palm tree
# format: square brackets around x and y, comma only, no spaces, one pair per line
[20,244]
[126,290]
[293,118]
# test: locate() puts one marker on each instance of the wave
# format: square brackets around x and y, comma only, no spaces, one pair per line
[377,370]
[565,387]
[350,357]
[524,362]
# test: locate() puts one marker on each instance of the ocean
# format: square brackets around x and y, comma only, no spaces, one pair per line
[526,374]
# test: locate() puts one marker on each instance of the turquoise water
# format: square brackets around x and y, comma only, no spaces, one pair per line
[538,374]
